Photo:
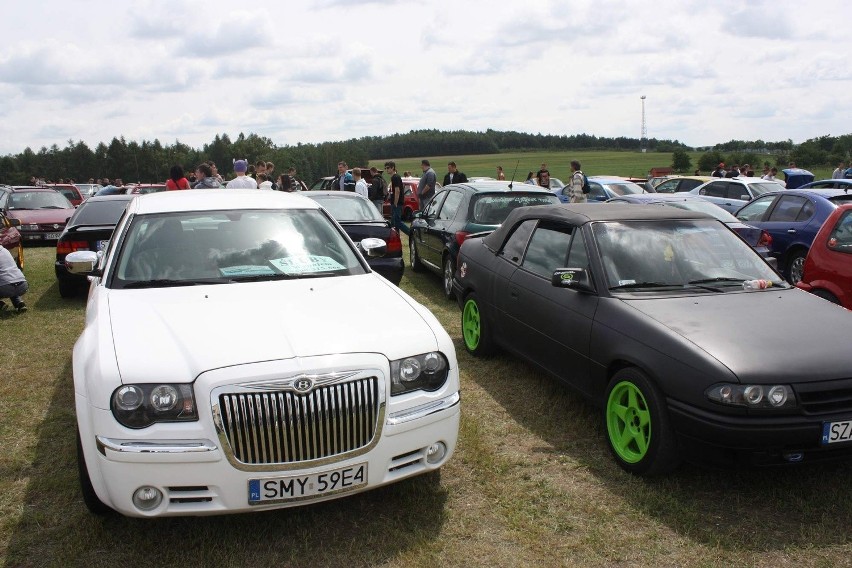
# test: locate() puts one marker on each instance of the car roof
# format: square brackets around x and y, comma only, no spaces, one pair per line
[23,188]
[218,200]
[581,213]
[334,193]
[115,197]
[840,181]
[826,192]
[500,186]
[655,197]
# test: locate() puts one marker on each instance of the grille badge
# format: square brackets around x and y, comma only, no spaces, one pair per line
[303,385]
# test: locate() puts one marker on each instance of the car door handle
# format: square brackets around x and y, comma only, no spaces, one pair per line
[791,231]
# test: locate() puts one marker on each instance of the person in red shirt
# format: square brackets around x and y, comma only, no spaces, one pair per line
[176,179]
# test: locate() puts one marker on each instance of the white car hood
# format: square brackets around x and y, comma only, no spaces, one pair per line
[175,334]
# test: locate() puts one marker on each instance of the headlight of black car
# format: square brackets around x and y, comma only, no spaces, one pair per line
[753,396]
[139,406]
[420,372]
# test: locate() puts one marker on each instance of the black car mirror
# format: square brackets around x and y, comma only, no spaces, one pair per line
[81,262]
[373,247]
[419,223]
[574,278]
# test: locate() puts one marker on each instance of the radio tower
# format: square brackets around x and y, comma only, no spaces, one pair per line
[643,139]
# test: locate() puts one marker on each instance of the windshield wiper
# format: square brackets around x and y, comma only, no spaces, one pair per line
[644,285]
[262,277]
[717,279]
[51,207]
[166,283]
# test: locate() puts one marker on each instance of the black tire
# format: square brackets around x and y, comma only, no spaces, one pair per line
[449,270]
[90,498]
[637,425]
[476,329]
[826,295]
[795,264]
[416,265]
[67,289]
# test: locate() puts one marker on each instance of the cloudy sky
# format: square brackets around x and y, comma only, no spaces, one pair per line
[320,70]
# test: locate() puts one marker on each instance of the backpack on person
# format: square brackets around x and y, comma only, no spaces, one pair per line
[586,187]
[377,189]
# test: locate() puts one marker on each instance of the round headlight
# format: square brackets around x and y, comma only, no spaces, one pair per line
[410,369]
[777,396]
[128,398]
[164,398]
[147,498]
[753,394]
[726,393]
[432,362]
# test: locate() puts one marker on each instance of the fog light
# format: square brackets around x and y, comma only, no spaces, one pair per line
[436,452]
[147,498]
[753,394]
[777,396]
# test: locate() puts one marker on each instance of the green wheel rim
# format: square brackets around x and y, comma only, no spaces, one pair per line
[471,325]
[628,422]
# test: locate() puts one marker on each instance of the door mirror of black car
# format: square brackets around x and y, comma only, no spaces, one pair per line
[81,262]
[574,278]
[419,223]
[373,247]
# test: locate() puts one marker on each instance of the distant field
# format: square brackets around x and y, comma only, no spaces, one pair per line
[627,164]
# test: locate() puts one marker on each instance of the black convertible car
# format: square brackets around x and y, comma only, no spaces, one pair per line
[691,343]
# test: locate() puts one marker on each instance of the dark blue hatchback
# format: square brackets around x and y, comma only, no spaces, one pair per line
[792,217]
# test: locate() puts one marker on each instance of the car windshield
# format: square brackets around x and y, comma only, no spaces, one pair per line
[623,188]
[766,187]
[212,247]
[348,208]
[98,213]
[703,207]
[492,209]
[676,254]
[38,200]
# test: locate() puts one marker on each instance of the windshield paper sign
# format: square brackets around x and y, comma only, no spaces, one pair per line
[305,264]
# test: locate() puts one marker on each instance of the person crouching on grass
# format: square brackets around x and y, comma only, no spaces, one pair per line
[13,285]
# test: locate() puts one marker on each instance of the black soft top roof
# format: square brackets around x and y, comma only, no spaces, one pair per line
[581,213]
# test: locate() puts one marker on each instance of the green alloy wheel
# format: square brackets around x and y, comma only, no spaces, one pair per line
[637,424]
[477,336]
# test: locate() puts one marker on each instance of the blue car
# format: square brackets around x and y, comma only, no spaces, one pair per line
[841,183]
[792,218]
[602,189]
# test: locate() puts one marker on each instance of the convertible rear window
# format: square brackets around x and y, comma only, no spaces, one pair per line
[174,249]
[492,209]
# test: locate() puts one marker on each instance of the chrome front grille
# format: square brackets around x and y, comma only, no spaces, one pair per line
[286,427]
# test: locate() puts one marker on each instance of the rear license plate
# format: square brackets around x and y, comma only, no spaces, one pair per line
[296,487]
[32,237]
[52,236]
[835,432]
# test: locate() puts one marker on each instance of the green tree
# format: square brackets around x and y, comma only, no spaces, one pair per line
[681,162]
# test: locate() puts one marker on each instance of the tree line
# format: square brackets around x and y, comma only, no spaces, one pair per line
[148,161]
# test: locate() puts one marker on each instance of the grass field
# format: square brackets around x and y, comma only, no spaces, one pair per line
[627,164]
[532,483]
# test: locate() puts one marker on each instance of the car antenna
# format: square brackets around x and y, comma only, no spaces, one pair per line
[513,174]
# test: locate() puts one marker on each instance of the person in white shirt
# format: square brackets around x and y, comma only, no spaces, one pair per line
[12,282]
[242,181]
[360,185]
[263,182]
[771,175]
[839,171]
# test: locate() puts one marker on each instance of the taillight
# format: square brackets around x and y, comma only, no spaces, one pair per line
[65,247]
[394,242]
[765,240]
[461,236]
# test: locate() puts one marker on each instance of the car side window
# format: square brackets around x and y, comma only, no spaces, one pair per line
[513,250]
[669,186]
[451,205]
[432,210]
[596,191]
[840,238]
[689,184]
[715,189]
[548,250]
[578,257]
[755,210]
[788,208]
[808,210]
[736,191]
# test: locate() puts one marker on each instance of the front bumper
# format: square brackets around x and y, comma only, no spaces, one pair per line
[706,436]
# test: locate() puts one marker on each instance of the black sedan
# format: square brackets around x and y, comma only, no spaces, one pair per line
[460,210]
[90,228]
[677,328]
[361,220]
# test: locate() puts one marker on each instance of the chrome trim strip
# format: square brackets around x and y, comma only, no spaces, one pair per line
[423,410]
[154,446]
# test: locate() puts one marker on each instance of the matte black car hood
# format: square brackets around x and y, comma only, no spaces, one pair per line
[785,336]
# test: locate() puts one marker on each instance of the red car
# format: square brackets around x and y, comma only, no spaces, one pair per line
[42,212]
[828,267]
[10,238]
[70,192]
[411,204]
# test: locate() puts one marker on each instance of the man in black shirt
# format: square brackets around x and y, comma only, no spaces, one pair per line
[453,175]
[397,198]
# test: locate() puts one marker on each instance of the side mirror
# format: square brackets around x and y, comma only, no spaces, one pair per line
[574,278]
[601,198]
[81,262]
[373,247]
[14,222]
[419,223]
[745,197]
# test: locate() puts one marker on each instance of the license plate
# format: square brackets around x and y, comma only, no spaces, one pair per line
[32,237]
[52,236]
[296,487]
[835,432]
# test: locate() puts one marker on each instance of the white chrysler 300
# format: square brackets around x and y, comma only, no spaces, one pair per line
[239,355]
